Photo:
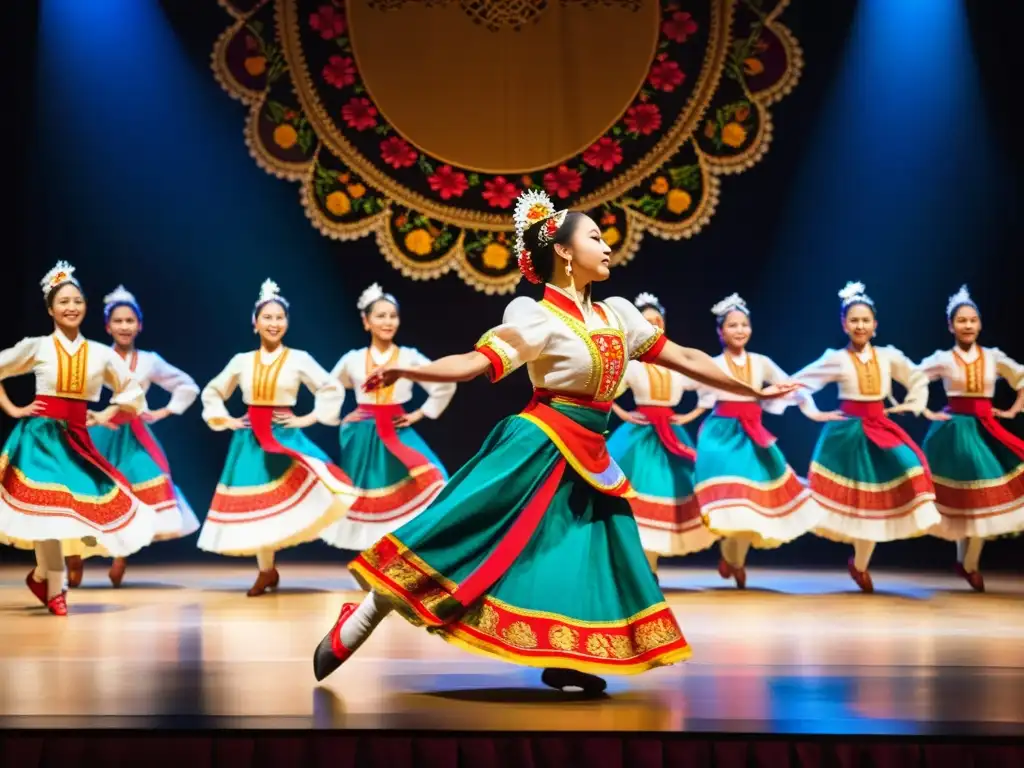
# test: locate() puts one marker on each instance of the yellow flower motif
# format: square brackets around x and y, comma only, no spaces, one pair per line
[495,256]
[356,190]
[678,201]
[611,236]
[338,203]
[660,186]
[419,242]
[285,136]
[733,135]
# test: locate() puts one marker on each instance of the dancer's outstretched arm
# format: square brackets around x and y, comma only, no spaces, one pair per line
[700,367]
[453,368]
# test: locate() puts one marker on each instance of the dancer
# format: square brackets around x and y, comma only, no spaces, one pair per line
[392,469]
[747,491]
[530,553]
[277,489]
[978,465]
[657,456]
[57,493]
[127,442]
[870,478]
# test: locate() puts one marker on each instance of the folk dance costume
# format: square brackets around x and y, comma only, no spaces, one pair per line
[658,458]
[977,465]
[747,492]
[133,449]
[530,553]
[277,488]
[393,470]
[871,480]
[57,493]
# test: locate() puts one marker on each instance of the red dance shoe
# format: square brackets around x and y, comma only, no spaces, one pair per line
[75,570]
[863,578]
[117,570]
[38,588]
[740,574]
[331,654]
[267,580]
[975,579]
[58,605]
[724,569]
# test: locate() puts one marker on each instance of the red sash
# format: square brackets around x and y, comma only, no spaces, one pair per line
[749,417]
[660,417]
[73,413]
[384,420]
[880,429]
[145,438]
[261,420]
[981,409]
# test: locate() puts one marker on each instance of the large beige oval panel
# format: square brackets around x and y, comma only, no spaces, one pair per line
[503,101]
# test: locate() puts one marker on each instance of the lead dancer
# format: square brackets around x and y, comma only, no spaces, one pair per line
[531,554]
[57,493]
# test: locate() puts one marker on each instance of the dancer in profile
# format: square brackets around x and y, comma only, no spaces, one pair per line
[277,488]
[58,494]
[871,480]
[393,470]
[657,455]
[978,465]
[127,442]
[531,554]
[748,493]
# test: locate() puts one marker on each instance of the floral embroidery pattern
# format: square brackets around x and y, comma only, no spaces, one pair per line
[700,111]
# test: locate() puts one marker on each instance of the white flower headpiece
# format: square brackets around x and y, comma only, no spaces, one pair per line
[959,299]
[531,207]
[728,304]
[646,299]
[853,293]
[269,291]
[120,297]
[61,273]
[372,294]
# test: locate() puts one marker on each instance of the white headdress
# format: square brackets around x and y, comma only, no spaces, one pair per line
[531,207]
[961,298]
[728,304]
[269,292]
[372,294]
[119,297]
[646,299]
[853,293]
[61,273]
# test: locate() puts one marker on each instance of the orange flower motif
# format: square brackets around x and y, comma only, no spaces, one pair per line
[612,236]
[608,218]
[678,201]
[419,242]
[495,256]
[742,114]
[255,65]
[285,136]
[733,135]
[356,190]
[660,186]
[752,66]
[338,203]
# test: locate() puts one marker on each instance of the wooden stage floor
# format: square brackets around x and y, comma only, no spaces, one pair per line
[801,652]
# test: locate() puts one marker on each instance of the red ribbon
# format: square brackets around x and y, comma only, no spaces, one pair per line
[384,420]
[145,438]
[880,429]
[73,413]
[981,409]
[660,417]
[261,420]
[749,417]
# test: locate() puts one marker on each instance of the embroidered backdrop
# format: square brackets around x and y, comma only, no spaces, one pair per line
[419,121]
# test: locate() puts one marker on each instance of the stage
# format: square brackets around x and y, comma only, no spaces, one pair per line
[798,653]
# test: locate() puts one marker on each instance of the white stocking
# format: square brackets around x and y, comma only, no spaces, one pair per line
[367,616]
[862,551]
[265,559]
[50,566]
[727,548]
[968,553]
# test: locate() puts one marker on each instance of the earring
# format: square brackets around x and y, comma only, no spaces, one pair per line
[568,269]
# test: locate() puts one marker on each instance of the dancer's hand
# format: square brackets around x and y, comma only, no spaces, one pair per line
[384,376]
[36,406]
[823,416]
[781,389]
[936,415]
[682,419]
[152,417]
[101,418]
[901,408]
[634,417]
[355,416]
[236,424]
[408,419]
[1009,413]
[290,420]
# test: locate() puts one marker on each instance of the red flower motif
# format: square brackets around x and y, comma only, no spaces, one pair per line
[360,113]
[562,181]
[644,119]
[448,182]
[397,153]
[340,71]
[679,27]
[605,154]
[327,21]
[666,76]
[499,192]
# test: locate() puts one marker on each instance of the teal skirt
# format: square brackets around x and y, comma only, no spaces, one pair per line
[523,559]
[50,490]
[665,507]
[979,482]
[270,501]
[390,494]
[747,489]
[866,491]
